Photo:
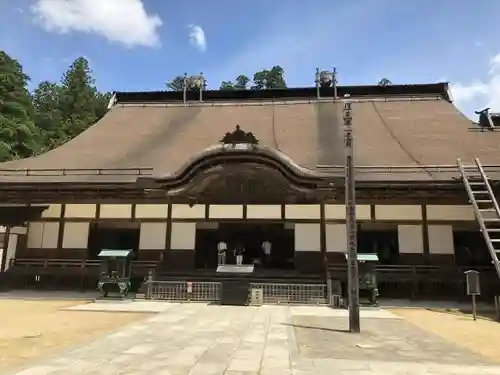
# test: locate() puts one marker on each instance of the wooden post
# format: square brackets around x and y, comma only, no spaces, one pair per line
[474,315]
[351,224]
[497,307]
[5,248]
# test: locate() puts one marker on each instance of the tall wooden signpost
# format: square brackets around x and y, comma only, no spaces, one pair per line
[350,204]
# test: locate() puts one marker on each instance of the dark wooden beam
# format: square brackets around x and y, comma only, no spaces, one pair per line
[322,237]
[168,234]
[425,234]
[60,234]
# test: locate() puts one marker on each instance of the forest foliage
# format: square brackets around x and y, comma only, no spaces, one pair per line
[54,112]
[33,122]
[273,78]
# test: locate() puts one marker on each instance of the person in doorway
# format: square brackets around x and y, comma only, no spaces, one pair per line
[240,250]
[221,253]
[266,248]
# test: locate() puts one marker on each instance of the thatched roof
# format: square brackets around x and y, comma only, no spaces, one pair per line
[393,125]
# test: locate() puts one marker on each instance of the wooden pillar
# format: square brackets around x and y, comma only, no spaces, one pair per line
[60,234]
[5,247]
[168,233]
[425,235]
[322,233]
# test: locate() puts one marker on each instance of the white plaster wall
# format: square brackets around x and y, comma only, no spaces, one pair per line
[338,212]
[11,250]
[441,239]
[183,236]
[398,212]
[153,236]
[19,230]
[221,211]
[80,211]
[184,211]
[76,235]
[264,211]
[116,211]
[302,211]
[336,238]
[148,211]
[410,239]
[54,211]
[43,235]
[451,213]
[35,235]
[50,234]
[307,237]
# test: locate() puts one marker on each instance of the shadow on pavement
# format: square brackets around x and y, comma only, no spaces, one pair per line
[317,328]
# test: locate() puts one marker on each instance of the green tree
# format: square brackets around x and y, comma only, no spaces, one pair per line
[48,114]
[78,98]
[101,104]
[269,79]
[55,121]
[241,82]
[226,85]
[176,84]
[19,136]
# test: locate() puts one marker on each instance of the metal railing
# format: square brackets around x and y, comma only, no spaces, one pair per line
[51,172]
[398,169]
[184,291]
[147,171]
[300,294]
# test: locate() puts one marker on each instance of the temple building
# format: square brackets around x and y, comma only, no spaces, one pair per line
[172,178]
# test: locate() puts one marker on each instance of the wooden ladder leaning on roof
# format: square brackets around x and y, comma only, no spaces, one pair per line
[483,200]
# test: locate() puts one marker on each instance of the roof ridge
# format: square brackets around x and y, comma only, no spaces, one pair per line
[291,101]
[440,89]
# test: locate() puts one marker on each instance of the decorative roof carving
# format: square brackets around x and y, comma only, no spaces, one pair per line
[239,136]
[485,118]
[384,82]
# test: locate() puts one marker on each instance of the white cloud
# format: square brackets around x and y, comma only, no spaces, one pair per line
[480,93]
[197,37]
[464,93]
[122,21]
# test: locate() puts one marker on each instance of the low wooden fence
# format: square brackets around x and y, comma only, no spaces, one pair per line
[409,281]
[65,273]
[423,281]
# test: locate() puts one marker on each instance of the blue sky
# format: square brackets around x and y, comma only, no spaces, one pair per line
[140,44]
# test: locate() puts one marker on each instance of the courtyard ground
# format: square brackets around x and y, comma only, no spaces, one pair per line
[481,336]
[33,329]
[195,339]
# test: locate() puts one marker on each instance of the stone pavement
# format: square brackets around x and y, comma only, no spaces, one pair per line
[139,306]
[199,339]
